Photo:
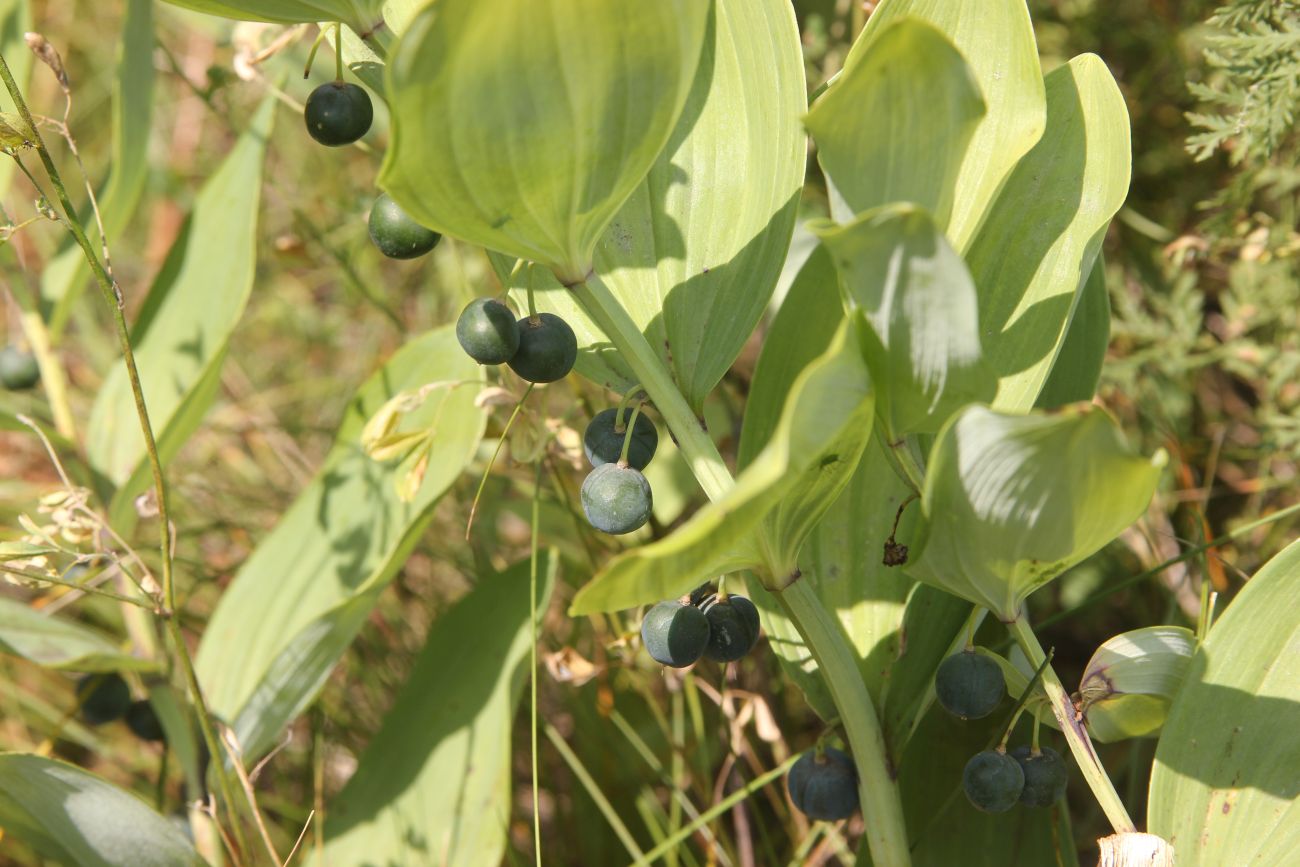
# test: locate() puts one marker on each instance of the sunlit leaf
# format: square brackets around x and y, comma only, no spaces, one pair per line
[299,600]
[506,136]
[56,642]
[15,20]
[358,12]
[1224,789]
[75,817]
[434,783]
[1012,501]
[1077,368]
[1132,679]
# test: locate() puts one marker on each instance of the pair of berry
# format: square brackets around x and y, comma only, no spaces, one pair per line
[616,497]
[723,628]
[18,370]
[103,698]
[823,784]
[539,348]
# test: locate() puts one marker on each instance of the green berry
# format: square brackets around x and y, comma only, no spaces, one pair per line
[143,721]
[824,787]
[103,698]
[993,781]
[733,628]
[18,370]
[616,499]
[396,233]
[487,331]
[603,441]
[969,685]
[675,634]
[338,113]
[547,348]
[1045,776]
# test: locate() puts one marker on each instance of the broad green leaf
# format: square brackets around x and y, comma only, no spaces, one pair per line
[299,600]
[761,522]
[919,323]
[896,124]
[181,345]
[1035,251]
[997,40]
[15,20]
[358,13]
[1077,368]
[1132,679]
[506,136]
[65,276]
[1011,501]
[75,817]
[434,784]
[55,642]
[1224,789]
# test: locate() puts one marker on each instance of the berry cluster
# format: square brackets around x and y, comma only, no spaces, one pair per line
[619,444]
[539,348]
[104,698]
[970,686]
[723,628]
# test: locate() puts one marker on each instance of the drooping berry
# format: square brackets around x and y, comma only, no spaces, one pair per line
[143,721]
[18,370]
[733,628]
[396,233]
[103,698]
[617,499]
[824,787]
[603,440]
[993,781]
[675,634]
[547,348]
[969,685]
[487,331]
[338,113]
[1045,775]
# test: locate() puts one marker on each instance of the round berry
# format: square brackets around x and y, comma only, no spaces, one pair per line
[18,370]
[675,634]
[993,781]
[733,628]
[143,721]
[396,233]
[969,685]
[547,348]
[1045,776]
[603,440]
[103,698]
[824,787]
[338,113]
[487,331]
[617,499]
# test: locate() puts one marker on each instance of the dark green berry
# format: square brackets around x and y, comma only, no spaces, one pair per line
[487,331]
[396,233]
[675,634]
[733,628]
[143,721]
[993,781]
[603,441]
[338,113]
[616,499]
[18,370]
[1045,776]
[824,787]
[969,685]
[547,348]
[103,698]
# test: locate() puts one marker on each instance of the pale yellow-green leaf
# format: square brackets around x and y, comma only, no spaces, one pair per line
[57,642]
[524,127]
[896,124]
[1224,789]
[1131,680]
[15,20]
[15,134]
[361,13]
[1077,368]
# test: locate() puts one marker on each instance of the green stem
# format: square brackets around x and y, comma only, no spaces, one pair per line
[52,377]
[1075,734]
[532,657]
[112,297]
[627,437]
[602,803]
[338,51]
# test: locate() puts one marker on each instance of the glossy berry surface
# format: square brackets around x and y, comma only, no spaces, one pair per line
[733,628]
[487,331]
[1045,776]
[338,113]
[825,788]
[992,781]
[396,233]
[616,499]
[103,698]
[603,441]
[143,722]
[675,634]
[18,370]
[547,348]
[969,685]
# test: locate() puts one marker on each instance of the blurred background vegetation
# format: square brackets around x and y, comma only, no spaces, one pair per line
[1202,271]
